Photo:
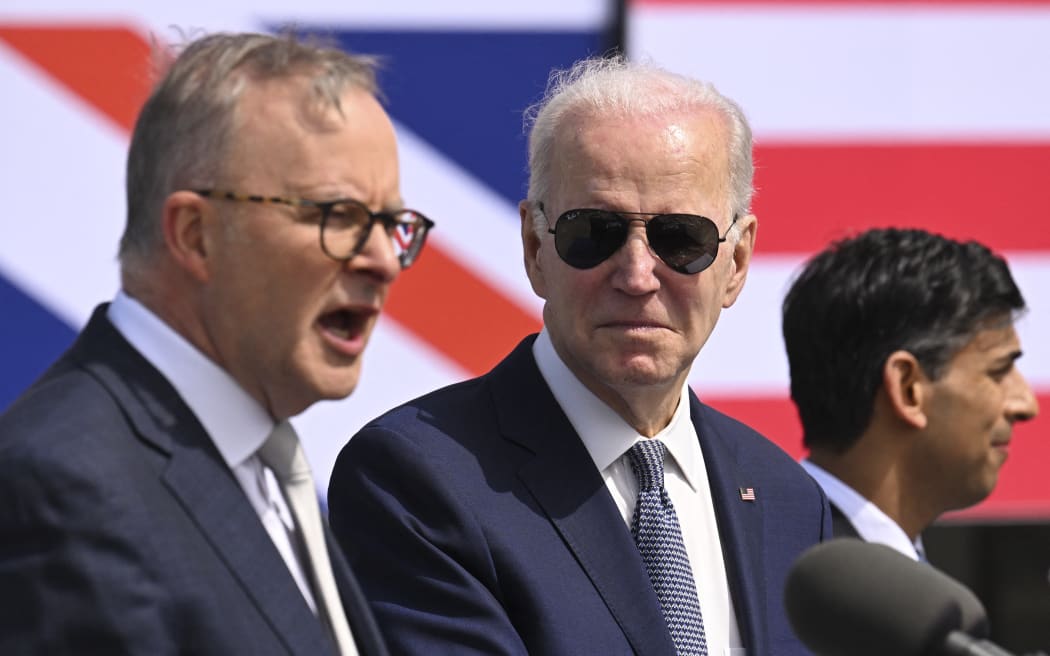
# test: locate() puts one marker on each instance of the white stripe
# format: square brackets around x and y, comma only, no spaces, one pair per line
[876,72]
[64,204]
[473,222]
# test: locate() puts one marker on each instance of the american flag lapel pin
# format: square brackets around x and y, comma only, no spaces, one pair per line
[746,493]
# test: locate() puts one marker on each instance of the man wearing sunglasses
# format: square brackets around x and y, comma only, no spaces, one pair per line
[578,498]
[902,351]
[154,498]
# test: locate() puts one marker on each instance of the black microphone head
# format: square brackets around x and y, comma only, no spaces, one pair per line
[852,598]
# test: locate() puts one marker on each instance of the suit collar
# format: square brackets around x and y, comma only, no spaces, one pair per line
[237,423]
[604,433]
[563,479]
[840,524]
[198,477]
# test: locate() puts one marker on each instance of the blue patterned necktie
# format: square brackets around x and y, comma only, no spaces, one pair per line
[659,539]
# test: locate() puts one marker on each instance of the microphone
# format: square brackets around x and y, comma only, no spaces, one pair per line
[846,597]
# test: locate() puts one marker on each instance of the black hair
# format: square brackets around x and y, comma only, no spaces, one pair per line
[863,298]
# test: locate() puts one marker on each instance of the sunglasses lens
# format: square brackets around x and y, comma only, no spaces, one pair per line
[586,238]
[685,242]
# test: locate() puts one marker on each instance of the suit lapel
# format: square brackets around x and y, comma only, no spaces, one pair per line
[218,506]
[564,481]
[197,476]
[841,527]
[739,528]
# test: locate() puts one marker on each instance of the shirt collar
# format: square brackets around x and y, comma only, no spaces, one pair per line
[236,423]
[871,523]
[604,433]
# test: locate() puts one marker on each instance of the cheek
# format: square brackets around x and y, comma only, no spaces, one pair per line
[700,305]
[538,271]
[981,405]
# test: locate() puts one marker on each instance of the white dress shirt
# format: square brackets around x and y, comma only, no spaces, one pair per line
[871,523]
[236,423]
[607,438]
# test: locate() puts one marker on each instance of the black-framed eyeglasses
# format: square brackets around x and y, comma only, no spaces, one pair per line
[346,224]
[584,238]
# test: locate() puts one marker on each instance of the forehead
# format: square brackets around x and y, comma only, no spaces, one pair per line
[669,158]
[281,126]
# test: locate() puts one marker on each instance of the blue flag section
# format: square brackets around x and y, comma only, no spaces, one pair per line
[30,339]
[464,92]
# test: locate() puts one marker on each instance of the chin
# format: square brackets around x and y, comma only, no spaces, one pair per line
[640,377]
[341,391]
[334,384]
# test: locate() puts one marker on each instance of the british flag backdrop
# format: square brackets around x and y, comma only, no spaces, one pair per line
[886,113]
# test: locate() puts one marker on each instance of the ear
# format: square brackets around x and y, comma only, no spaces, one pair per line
[530,243]
[905,385]
[184,221]
[742,250]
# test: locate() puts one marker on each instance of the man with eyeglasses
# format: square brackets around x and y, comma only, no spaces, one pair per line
[902,350]
[154,498]
[578,498]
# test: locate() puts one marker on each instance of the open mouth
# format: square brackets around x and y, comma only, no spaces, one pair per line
[344,324]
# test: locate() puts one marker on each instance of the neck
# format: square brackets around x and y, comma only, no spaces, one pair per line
[647,409]
[881,479]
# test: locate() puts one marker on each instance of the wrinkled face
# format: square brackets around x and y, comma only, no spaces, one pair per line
[631,324]
[289,323]
[971,412]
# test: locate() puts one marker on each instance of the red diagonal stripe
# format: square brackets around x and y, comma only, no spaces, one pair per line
[809,194]
[459,313]
[1020,493]
[108,67]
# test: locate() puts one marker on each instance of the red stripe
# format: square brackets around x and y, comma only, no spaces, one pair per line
[457,312]
[1020,494]
[809,194]
[108,67]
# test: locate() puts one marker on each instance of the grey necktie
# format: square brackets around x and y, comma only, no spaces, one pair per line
[659,538]
[283,454]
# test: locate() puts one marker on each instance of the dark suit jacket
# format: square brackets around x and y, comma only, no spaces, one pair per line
[478,523]
[840,524]
[122,531]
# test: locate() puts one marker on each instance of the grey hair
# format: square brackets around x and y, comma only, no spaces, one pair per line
[614,85]
[185,127]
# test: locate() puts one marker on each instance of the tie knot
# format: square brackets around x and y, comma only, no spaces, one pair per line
[647,460]
[282,453]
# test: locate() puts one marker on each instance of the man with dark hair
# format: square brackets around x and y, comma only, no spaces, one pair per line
[902,351]
[154,498]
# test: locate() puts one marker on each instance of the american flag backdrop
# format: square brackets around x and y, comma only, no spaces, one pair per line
[885,113]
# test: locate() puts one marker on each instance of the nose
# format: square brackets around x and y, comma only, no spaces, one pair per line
[1021,403]
[378,255]
[636,263]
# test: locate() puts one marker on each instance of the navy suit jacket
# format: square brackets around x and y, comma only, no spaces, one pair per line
[122,531]
[478,523]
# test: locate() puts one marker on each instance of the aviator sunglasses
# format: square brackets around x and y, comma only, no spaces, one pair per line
[584,238]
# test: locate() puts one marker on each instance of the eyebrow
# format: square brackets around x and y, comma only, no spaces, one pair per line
[1008,358]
